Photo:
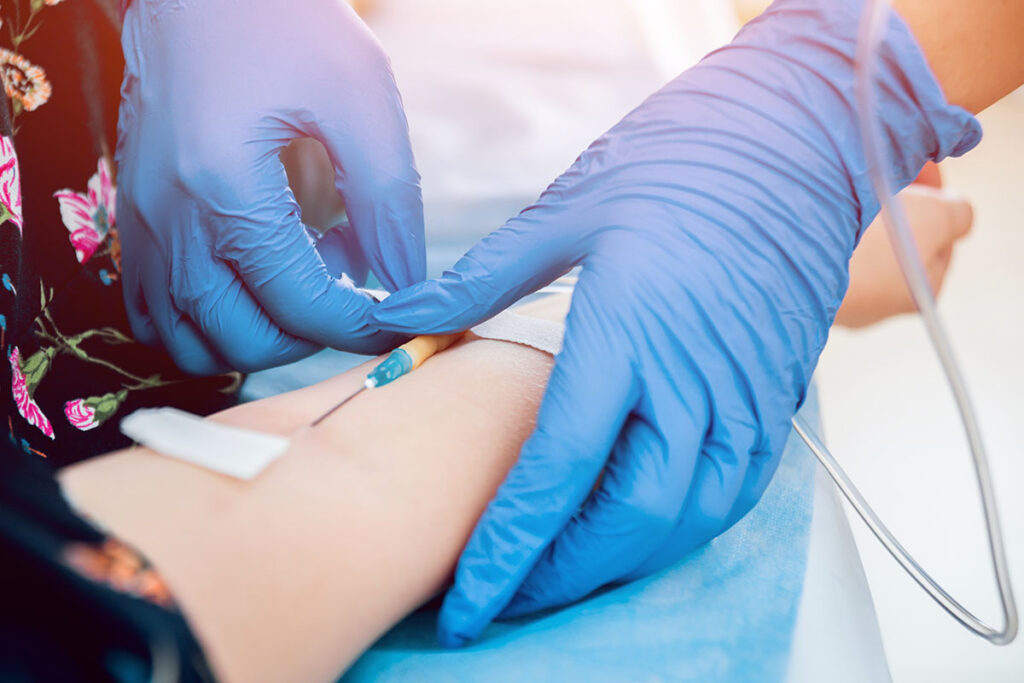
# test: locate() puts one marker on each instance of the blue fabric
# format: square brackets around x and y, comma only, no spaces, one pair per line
[725,613]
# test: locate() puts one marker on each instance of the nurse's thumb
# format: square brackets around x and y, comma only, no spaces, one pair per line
[528,252]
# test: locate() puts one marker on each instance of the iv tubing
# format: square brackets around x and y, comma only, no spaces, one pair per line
[873,25]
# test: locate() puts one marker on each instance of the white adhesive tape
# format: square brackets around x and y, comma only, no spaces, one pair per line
[236,452]
[543,335]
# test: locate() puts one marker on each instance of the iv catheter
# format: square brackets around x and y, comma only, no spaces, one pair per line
[399,362]
[873,25]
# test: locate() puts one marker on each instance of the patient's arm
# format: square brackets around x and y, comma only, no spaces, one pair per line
[938,221]
[292,575]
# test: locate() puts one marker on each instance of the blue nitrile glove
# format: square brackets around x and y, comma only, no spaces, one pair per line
[714,225]
[217,265]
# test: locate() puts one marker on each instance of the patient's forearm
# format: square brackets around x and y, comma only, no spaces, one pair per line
[292,575]
[974,48]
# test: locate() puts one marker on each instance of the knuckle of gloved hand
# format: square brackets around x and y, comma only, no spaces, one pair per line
[372,57]
[379,64]
[257,353]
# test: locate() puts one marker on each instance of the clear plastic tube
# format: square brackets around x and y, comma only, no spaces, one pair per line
[873,26]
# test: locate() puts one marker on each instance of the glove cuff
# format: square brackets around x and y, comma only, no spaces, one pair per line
[819,38]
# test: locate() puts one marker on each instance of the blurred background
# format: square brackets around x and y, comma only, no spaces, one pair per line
[501,97]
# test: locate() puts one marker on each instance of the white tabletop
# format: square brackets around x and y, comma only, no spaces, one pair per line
[837,638]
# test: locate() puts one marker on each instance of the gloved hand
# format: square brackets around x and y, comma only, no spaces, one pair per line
[714,225]
[217,266]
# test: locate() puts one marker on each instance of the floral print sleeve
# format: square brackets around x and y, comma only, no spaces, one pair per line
[76,603]
[73,368]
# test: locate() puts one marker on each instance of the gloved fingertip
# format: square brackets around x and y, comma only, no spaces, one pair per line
[450,639]
[452,631]
[462,618]
[387,219]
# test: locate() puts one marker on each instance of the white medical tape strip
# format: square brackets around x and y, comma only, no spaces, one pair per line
[543,335]
[233,451]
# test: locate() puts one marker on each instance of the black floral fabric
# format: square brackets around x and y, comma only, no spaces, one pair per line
[77,605]
[70,362]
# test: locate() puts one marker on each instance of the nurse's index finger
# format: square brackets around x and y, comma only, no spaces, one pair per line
[504,266]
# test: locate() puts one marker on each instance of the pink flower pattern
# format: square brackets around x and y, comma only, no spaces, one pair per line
[10,182]
[27,406]
[89,217]
[80,415]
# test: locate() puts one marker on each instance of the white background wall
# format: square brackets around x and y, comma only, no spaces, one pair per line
[889,418]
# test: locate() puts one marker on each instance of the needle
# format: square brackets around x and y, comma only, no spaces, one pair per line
[402,361]
[348,398]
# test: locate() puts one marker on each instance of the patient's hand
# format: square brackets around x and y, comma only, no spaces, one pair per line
[877,290]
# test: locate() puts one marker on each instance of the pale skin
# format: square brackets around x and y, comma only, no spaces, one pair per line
[973,48]
[291,576]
